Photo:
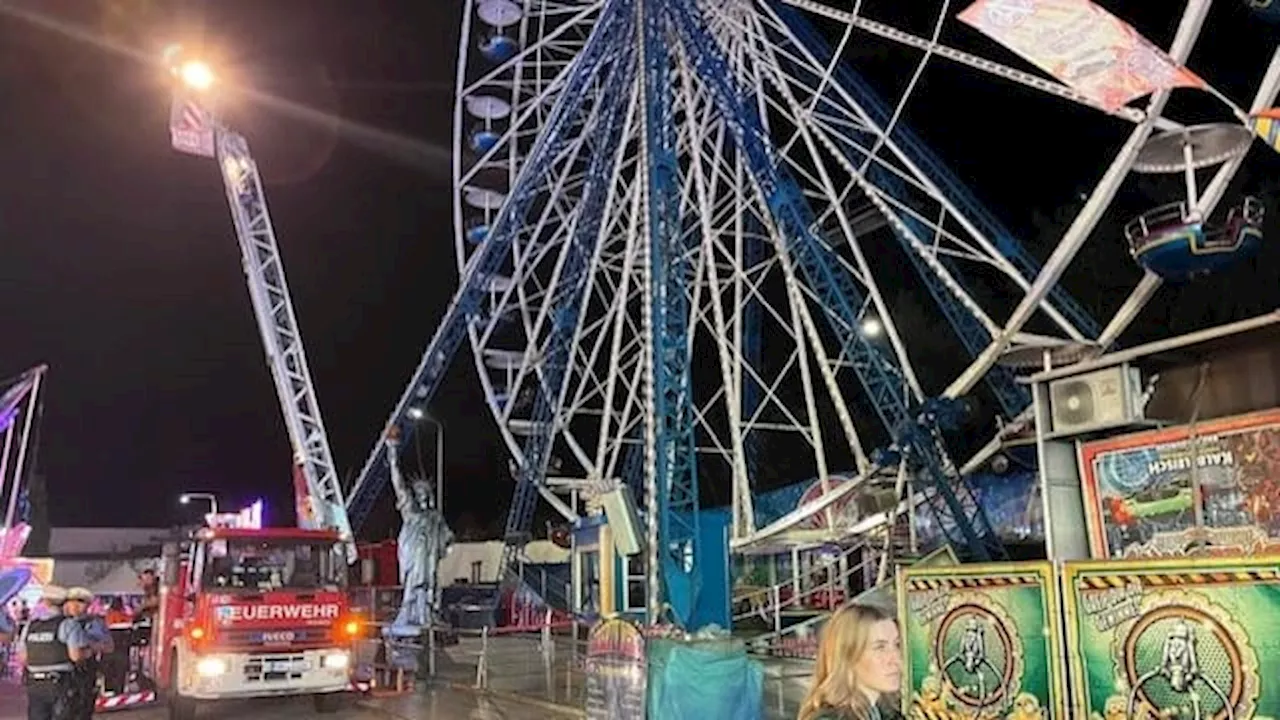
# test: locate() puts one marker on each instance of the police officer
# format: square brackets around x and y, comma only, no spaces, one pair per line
[51,646]
[95,628]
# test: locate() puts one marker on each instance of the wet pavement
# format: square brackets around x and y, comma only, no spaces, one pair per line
[439,704]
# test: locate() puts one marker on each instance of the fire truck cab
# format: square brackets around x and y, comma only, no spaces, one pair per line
[247,613]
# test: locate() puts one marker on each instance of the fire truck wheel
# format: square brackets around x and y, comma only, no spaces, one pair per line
[327,702]
[180,708]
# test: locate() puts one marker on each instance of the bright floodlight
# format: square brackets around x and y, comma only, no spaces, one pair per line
[196,75]
[185,499]
[871,327]
[416,413]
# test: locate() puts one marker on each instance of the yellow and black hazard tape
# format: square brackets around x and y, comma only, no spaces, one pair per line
[1119,580]
[947,582]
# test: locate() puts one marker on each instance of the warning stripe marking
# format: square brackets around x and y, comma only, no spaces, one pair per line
[124,700]
[944,583]
[1104,582]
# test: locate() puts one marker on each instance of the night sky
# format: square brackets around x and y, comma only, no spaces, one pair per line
[118,266]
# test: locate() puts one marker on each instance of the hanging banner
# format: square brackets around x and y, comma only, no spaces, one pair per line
[982,642]
[1211,489]
[1174,638]
[1087,48]
[616,681]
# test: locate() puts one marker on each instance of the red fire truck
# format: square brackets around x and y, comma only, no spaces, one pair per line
[247,613]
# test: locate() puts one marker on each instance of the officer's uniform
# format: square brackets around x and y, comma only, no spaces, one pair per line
[48,672]
[85,677]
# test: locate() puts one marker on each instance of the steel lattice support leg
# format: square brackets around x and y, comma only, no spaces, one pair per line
[674,467]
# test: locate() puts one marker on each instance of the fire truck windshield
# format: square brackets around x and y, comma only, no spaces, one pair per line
[256,565]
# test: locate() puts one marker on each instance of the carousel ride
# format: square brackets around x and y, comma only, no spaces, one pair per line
[19,415]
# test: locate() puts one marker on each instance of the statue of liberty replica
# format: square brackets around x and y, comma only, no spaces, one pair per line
[424,539]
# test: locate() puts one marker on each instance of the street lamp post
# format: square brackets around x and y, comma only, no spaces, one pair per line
[439,462]
[212,499]
[420,415]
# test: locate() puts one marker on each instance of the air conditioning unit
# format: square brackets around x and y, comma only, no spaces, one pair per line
[1111,397]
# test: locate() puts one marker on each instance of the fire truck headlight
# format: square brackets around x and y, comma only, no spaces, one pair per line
[211,667]
[336,661]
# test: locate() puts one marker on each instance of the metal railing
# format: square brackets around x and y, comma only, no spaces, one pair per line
[542,662]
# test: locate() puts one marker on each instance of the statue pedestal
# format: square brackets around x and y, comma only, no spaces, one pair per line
[404,643]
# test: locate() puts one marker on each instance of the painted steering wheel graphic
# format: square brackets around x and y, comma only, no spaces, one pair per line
[977,657]
[1186,657]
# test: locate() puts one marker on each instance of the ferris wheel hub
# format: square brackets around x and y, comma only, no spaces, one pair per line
[1193,148]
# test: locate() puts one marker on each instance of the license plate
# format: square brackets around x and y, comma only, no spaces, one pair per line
[285,666]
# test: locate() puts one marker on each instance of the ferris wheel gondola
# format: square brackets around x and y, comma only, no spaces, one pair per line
[1176,241]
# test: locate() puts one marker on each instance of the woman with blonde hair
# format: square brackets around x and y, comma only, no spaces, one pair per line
[859,667]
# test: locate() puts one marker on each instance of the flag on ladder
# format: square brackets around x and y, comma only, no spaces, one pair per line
[191,128]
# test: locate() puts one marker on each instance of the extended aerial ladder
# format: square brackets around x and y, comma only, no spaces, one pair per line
[196,130]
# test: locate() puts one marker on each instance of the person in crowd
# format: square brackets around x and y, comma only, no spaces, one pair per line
[85,677]
[50,648]
[858,671]
[117,616]
[115,665]
[150,585]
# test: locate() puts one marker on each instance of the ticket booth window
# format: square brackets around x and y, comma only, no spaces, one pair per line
[637,583]
[588,594]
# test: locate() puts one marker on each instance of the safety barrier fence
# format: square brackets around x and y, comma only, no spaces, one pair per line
[542,661]
[546,663]
[538,656]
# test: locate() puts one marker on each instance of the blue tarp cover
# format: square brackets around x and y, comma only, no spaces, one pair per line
[702,680]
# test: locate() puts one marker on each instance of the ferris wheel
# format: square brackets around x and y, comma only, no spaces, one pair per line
[672,219]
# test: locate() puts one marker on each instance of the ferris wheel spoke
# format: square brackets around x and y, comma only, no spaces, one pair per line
[926,176]
[1026,79]
[804,130]
[742,508]
[881,201]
